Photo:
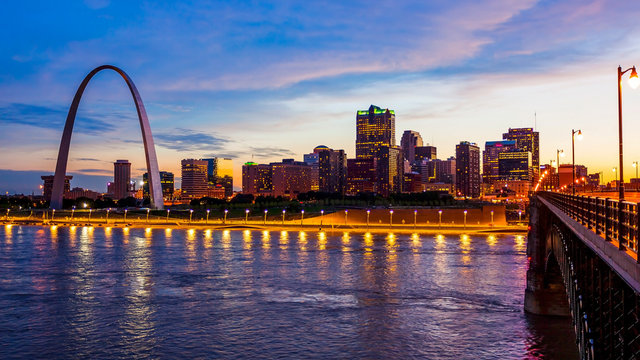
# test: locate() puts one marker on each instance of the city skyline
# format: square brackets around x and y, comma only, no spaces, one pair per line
[488,67]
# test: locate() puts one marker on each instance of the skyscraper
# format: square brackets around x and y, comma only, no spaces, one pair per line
[490,170]
[220,172]
[515,165]
[375,128]
[166,180]
[256,179]
[332,170]
[468,169]
[194,179]
[410,139]
[390,170]
[121,179]
[528,140]
[361,175]
[426,152]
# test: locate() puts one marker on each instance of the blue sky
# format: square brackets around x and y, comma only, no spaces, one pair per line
[266,80]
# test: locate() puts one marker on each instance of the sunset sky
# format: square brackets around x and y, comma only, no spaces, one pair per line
[270,80]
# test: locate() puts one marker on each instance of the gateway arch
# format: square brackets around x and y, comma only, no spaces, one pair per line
[155,187]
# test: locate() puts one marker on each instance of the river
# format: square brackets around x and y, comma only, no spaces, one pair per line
[84,292]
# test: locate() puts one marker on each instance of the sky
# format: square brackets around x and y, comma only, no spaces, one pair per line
[265,80]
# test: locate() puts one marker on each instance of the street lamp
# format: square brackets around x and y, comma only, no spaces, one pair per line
[168,211]
[90,214]
[246,216]
[10,210]
[465,218]
[265,216]
[125,215]
[439,218]
[345,217]
[190,215]
[390,217]
[415,218]
[321,217]
[107,221]
[491,217]
[368,213]
[519,215]
[301,216]
[284,211]
[72,211]
[635,165]
[573,157]
[633,82]
[53,214]
[207,221]
[148,215]
[225,216]
[615,173]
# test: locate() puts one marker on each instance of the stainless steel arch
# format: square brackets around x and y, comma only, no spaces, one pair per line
[155,188]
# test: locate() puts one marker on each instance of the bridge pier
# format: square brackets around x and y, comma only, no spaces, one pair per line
[545,293]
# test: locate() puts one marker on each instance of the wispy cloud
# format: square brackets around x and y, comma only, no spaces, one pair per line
[270,152]
[190,140]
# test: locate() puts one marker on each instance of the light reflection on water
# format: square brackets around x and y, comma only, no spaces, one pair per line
[128,293]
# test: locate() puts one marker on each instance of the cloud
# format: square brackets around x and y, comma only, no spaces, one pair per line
[270,152]
[94,171]
[189,140]
[86,159]
[54,117]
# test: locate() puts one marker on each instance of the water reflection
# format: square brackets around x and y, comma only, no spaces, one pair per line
[208,294]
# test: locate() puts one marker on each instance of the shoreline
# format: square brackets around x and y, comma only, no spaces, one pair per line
[357,228]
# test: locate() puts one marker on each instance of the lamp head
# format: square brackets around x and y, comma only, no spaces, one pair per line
[579,136]
[633,78]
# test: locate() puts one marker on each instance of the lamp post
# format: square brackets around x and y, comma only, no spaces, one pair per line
[107,220]
[635,165]
[465,219]
[125,215]
[321,217]
[90,214]
[439,218]
[265,216]
[519,215]
[225,216]
[10,210]
[246,216]
[368,213]
[148,210]
[559,152]
[168,211]
[190,215]
[573,157]
[73,210]
[53,214]
[491,217]
[633,82]
[615,173]
[301,217]
[346,212]
[206,222]
[390,217]
[284,211]
[415,218]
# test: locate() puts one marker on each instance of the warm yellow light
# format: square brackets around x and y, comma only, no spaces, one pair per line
[633,79]
[579,136]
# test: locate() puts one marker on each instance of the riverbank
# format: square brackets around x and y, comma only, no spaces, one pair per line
[280,226]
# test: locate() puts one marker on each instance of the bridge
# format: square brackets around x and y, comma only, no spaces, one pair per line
[584,263]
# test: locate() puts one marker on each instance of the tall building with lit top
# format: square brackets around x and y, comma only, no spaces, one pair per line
[528,140]
[468,169]
[121,179]
[490,169]
[375,128]
[194,179]
[409,141]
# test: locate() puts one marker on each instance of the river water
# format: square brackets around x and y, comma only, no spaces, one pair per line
[113,293]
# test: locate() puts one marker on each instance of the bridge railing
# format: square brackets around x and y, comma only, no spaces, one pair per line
[612,219]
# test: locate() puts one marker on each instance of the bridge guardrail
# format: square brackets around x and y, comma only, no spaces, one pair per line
[609,218]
